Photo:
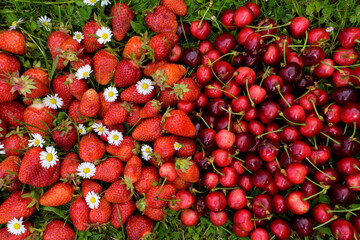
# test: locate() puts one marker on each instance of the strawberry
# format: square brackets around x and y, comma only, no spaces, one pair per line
[188,147]
[9,171]
[150,109]
[164,145]
[58,229]
[32,173]
[57,195]
[3,129]
[69,166]
[176,6]
[5,91]
[5,234]
[75,114]
[29,87]
[90,42]
[179,183]
[54,42]
[13,42]
[70,50]
[8,64]
[133,168]
[178,123]
[134,115]
[127,72]
[116,114]
[65,135]
[39,74]
[118,192]
[169,74]
[138,227]
[91,148]
[77,86]
[15,143]
[186,90]
[153,196]
[152,67]
[121,211]
[131,94]
[102,213]
[187,170]
[12,111]
[124,151]
[60,87]
[133,48]
[104,173]
[149,176]
[162,44]
[90,103]
[39,118]
[16,206]
[104,66]
[168,98]
[82,61]
[120,15]
[162,20]
[89,185]
[148,130]
[79,214]
[156,214]
[104,105]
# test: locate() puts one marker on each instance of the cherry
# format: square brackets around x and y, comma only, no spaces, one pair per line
[312,55]
[202,101]
[204,74]
[328,176]
[205,46]
[229,177]
[237,165]
[259,234]
[296,204]
[167,170]
[210,180]
[245,182]
[296,173]
[303,225]
[272,55]
[320,155]
[348,166]
[254,8]
[239,232]
[227,19]
[236,199]
[262,205]
[232,89]
[225,42]
[207,137]
[243,16]
[283,44]
[268,150]
[308,101]
[237,60]
[242,219]
[323,70]
[312,128]
[252,61]
[353,182]
[273,83]
[261,178]
[282,182]
[243,34]
[211,56]
[254,44]
[299,150]
[245,75]
[225,139]
[223,123]
[341,78]
[343,95]
[292,72]
[350,114]
[342,229]
[345,56]
[290,134]
[215,201]
[317,36]
[272,167]
[331,114]
[244,141]
[187,199]
[280,228]
[298,26]
[175,54]
[251,114]
[309,189]
[255,127]
[341,195]
[216,107]
[241,104]
[346,148]
[304,82]
[257,94]
[191,57]
[200,206]
[272,131]
[279,204]
[293,57]
[189,217]
[253,162]
[355,76]
[321,213]
[218,218]
[270,30]
[183,30]
[322,95]
[223,70]
[355,220]
[186,106]
[348,36]
[200,29]
[295,114]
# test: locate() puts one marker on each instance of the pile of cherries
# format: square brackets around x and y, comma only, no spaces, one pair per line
[277,126]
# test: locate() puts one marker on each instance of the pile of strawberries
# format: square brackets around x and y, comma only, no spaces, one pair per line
[119,141]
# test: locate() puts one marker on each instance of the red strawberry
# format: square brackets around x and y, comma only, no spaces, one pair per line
[102,213]
[75,114]
[8,64]
[148,130]
[168,98]
[82,61]
[3,129]
[153,196]
[5,234]
[79,214]
[15,143]
[125,210]
[150,109]
[188,147]
[104,105]
[9,111]
[77,86]
[89,185]
[39,74]
[156,214]
[5,91]
[9,171]
[118,192]
[104,66]
[168,74]
[91,148]
[57,195]
[162,44]
[133,48]
[70,50]
[133,168]
[178,123]
[65,135]
[89,42]
[54,42]
[124,151]
[69,166]
[152,67]
[162,20]
[109,171]
[138,227]
[186,89]
[13,41]
[58,229]
[121,15]
[39,118]
[179,183]
[90,103]
[116,114]
[131,94]
[187,170]
[149,176]
[176,6]
[33,173]
[134,115]
[164,145]
[61,87]
[127,72]
[16,206]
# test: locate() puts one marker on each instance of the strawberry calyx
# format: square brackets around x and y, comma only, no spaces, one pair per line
[141,204]
[160,79]
[183,163]
[179,90]
[24,85]
[166,115]
[18,131]
[64,127]
[128,184]
[35,198]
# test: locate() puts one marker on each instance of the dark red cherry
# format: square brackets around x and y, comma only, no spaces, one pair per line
[292,72]
[303,225]
[312,55]
[237,60]
[207,137]
[320,155]
[225,42]
[253,162]
[328,176]
[304,82]
[272,83]
[200,206]
[245,182]
[344,95]
[223,70]
[346,148]
[279,204]
[280,228]
[261,178]
[191,57]
[341,195]
[254,44]
[290,134]
[271,27]
[268,111]
[244,141]
[309,189]
[183,31]
[252,61]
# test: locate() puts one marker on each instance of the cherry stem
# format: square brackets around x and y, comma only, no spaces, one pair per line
[268,26]
[338,143]
[354,131]
[266,210]
[282,96]
[227,54]
[327,108]
[345,210]
[318,169]
[199,116]
[349,66]
[228,128]
[315,143]
[281,114]
[212,87]
[298,45]
[354,187]
[169,200]
[284,46]
[321,118]
[275,131]
[354,76]
[265,75]
[247,91]
[161,187]
[232,188]
[335,67]
[212,70]
[287,153]
[356,167]
[306,38]
[212,164]
[207,9]
[303,95]
[270,35]
[325,223]
[277,162]
[310,180]
[318,193]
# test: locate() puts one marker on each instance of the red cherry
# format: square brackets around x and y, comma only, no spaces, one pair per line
[321,213]
[323,70]
[259,234]
[279,204]
[254,8]
[296,204]
[218,218]
[342,229]
[242,219]
[189,217]
[345,56]
[243,34]
[236,199]
[296,173]
[243,16]
[280,228]
[317,36]
[349,36]
[227,19]
[200,29]
[298,26]
[215,201]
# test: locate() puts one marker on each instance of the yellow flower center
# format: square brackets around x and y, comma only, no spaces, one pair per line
[17,226]
[147,150]
[93,1]
[145,86]
[177,145]
[115,137]
[111,94]
[78,36]
[49,157]
[92,200]
[101,129]
[86,170]
[104,36]
[46,24]
[80,130]
[85,74]
[36,142]
[13,23]
[53,101]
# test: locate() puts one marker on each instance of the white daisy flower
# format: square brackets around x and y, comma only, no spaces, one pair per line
[104,34]
[45,22]
[329,29]
[86,170]
[53,101]
[78,36]
[49,157]
[83,72]
[15,23]
[177,146]
[92,200]
[81,129]
[146,152]
[144,86]
[110,94]
[90,2]
[115,137]
[2,151]
[105,3]
[37,141]
[16,226]
[100,129]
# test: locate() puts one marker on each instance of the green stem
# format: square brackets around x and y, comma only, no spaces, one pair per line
[325,223]
[282,96]
[207,9]
[321,118]
[281,114]
[318,193]
[338,143]
[318,169]
[306,38]
[248,93]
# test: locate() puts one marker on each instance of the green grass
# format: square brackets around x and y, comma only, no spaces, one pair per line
[73,14]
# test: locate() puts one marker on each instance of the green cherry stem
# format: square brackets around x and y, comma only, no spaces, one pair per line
[270,35]
[325,223]
[306,38]
[318,169]
[318,193]
[338,143]
[321,118]
[281,114]
[248,93]
[282,96]
[207,9]
[212,87]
